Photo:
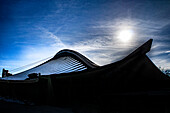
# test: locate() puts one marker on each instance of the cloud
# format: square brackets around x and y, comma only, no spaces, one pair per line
[167,51]
[51,44]
[49,35]
[101,48]
[98,49]
[160,62]
[98,41]
[44,28]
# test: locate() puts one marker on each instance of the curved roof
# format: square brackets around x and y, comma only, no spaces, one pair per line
[135,66]
[76,55]
[65,61]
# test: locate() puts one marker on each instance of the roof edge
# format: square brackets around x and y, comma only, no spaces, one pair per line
[143,49]
[77,55]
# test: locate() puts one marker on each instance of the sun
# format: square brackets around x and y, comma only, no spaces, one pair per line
[125,35]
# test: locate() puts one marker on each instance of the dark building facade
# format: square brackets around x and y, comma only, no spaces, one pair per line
[69,78]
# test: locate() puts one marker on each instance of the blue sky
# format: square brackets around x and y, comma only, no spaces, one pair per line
[31,30]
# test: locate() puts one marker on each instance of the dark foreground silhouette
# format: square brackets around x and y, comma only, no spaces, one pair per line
[133,84]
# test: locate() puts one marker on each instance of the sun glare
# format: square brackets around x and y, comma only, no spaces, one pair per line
[125,35]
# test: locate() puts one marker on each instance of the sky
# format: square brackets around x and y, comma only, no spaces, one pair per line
[105,31]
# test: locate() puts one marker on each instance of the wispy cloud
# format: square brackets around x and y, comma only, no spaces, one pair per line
[160,62]
[167,51]
[50,35]
[100,49]
[91,28]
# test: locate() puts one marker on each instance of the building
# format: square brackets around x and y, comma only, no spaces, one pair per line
[70,77]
